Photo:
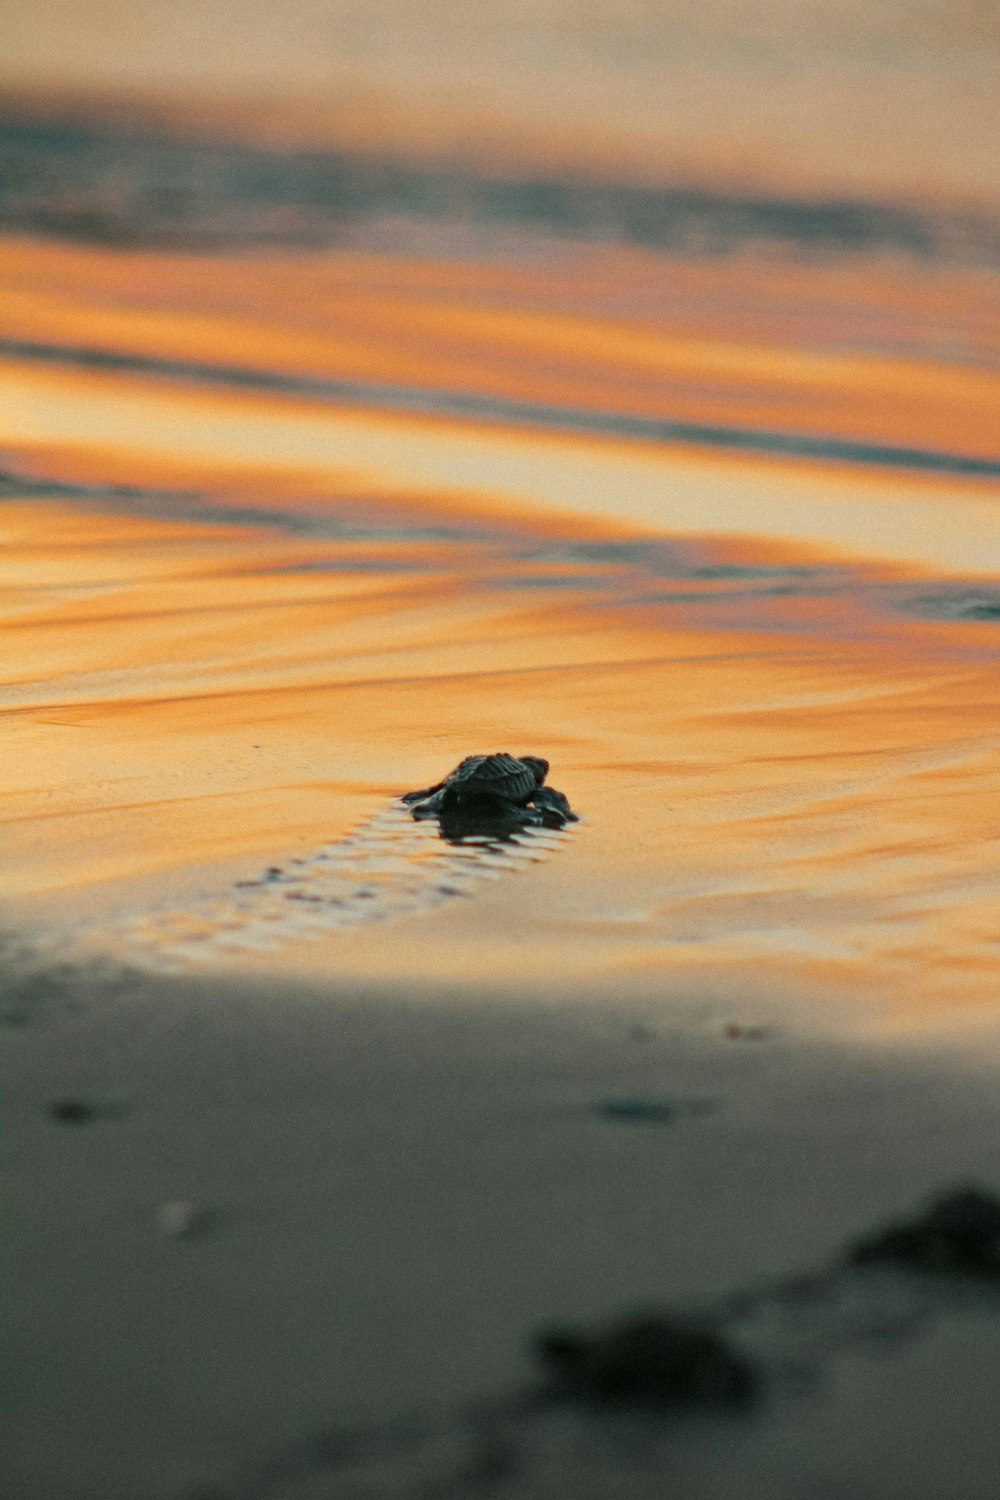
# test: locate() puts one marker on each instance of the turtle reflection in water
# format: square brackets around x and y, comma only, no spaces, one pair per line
[492,794]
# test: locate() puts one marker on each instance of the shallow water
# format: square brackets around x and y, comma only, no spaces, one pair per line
[285,535]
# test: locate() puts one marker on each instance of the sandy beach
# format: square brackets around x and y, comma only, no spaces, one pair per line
[395,1191]
[341,1149]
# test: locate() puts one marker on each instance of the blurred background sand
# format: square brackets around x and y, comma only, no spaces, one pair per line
[894,98]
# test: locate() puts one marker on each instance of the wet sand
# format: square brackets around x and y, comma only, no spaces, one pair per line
[244,620]
[806,804]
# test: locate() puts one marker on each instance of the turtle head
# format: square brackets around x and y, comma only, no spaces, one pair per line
[536,764]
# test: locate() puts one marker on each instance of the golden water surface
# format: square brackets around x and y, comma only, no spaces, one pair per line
[240,618]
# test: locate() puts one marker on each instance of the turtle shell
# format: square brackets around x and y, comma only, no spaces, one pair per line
[501,776]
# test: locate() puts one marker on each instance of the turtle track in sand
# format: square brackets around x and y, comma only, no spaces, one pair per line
[387,867]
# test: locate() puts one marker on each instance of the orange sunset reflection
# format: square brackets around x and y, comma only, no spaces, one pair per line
[244,618]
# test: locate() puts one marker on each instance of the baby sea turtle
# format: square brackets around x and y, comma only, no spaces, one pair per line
[501,785]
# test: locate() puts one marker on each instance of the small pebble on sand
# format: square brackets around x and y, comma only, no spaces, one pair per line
[179,1217]
[72,1111]
[642,1111]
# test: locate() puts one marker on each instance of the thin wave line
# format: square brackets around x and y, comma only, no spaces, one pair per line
[134,699]
[419,401]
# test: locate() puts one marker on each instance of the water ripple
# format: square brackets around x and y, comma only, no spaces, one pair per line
[429,402]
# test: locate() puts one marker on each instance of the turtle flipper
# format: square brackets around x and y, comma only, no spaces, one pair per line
[428,791]
[425,804]
[547,800]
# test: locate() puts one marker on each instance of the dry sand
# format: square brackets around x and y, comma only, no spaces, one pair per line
[391,1192]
